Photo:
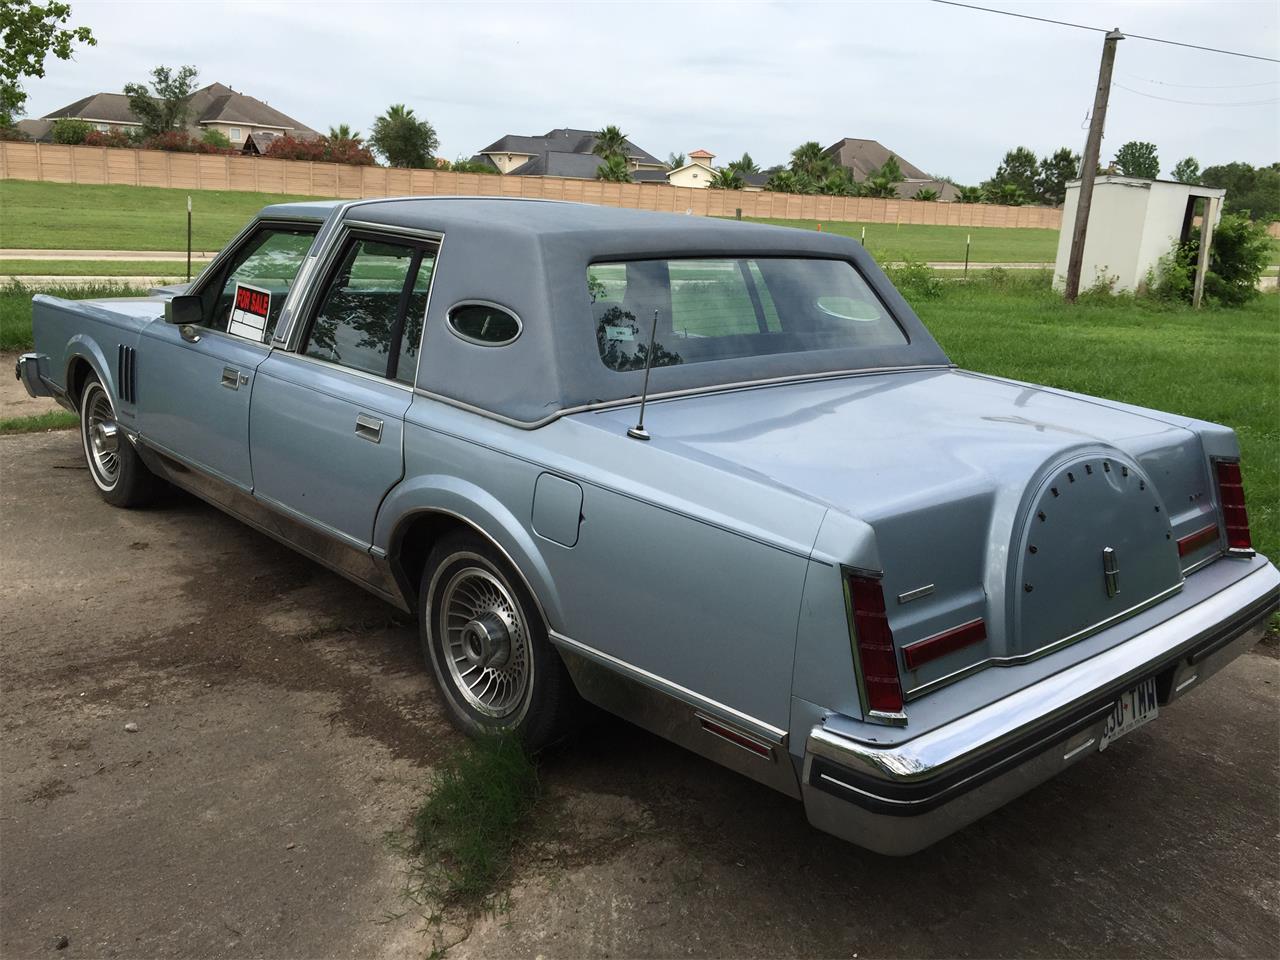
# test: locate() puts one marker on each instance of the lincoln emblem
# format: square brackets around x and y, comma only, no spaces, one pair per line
[1111,571]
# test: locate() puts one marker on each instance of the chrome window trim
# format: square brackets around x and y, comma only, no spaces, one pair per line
[364,374]
[678,394]
[448,322]
[1052,647]
[205,279]
[760,729]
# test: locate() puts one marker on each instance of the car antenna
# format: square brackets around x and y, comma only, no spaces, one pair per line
[638,432]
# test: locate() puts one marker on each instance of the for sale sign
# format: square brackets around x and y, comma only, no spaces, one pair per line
[249,311]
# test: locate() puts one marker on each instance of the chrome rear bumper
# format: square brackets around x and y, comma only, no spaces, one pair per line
[898,800]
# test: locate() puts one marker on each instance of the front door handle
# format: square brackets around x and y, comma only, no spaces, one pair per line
[231,378]
[369,428]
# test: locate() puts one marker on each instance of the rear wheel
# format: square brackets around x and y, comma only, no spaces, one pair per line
[487,645]
[118,472]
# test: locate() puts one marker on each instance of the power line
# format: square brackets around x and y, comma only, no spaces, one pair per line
[1131,36]
[1198,103]
[1204,86]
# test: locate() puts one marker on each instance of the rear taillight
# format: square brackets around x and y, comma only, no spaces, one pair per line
[873,641]
[1231,497]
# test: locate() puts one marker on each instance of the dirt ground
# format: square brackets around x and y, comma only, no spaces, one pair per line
[14,401]
[285,727]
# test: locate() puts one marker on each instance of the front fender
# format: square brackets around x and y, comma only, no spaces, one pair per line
[471,504]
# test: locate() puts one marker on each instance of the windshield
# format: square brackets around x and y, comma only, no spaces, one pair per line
[719,309]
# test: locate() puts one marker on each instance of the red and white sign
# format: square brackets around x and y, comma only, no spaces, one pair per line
[249,311]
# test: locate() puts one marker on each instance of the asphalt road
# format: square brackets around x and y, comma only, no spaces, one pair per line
[285,726]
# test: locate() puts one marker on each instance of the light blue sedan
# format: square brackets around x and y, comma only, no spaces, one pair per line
[716,478]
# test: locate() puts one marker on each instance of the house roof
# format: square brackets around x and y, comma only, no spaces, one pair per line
[215,103]
[560,143]
[702,154]
[863,157]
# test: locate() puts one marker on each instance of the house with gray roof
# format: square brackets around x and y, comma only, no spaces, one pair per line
[563,152]
[862,158]
[244,120]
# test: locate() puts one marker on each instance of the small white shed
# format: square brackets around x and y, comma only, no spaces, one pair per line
[1132,223]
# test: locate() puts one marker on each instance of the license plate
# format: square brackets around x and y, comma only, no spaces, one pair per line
[1133,708]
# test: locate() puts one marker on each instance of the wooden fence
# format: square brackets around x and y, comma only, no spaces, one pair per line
[56,163]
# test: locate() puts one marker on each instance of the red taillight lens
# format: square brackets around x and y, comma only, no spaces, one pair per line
[874,642]
[1231,497]
[916,655]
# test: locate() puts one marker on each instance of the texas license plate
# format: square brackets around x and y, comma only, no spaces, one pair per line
[1132,709]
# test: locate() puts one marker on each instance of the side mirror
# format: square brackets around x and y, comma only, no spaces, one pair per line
[184,309]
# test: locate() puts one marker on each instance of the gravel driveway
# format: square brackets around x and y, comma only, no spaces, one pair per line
[285,725]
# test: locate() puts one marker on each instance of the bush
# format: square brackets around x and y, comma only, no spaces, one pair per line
[111,138]
[1240,253]
[466,166]
[320,150]
[179,141]
[916,280]
[216,138]
[70,130]
[13,134]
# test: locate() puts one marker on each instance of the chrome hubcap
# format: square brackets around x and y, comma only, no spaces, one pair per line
[486,643]
[104,436]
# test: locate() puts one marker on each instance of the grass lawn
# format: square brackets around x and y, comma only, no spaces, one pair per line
[1214,364]
[99,268]
[60,216]
[53,420]
[887,241]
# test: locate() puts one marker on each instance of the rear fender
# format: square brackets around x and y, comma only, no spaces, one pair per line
[474,507]
[84,347]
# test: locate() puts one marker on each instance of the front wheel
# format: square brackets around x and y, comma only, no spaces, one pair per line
[487,645]
[118,472]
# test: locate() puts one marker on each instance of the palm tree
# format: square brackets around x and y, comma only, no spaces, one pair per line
[968,195]
[880,186]
[924,193]
[614,169]
[840,183]
[676,160]
[1008,194]
[745,165]
[343,133]
[610,142]
[726,179]
[809,159]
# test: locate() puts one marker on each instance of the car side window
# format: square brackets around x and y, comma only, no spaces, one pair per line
[371,312]
[263,270]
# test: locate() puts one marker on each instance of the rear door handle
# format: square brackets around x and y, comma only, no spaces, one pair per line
[231,378]
[369,428]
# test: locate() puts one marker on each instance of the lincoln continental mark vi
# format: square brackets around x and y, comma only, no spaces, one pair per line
[714,477]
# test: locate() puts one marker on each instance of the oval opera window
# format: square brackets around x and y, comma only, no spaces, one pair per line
[483,323]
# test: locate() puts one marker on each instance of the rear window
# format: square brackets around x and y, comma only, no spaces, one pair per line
[720,309]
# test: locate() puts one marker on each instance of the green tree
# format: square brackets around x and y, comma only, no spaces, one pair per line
[216,138]
[1187,170]
[1255,192]
[744,164]
[403,139]
[1138,158]
[343,133]
[610,142]
[1006,194]
[70,130]
[29,33]
[676,160]
[809,160]
[726,179]
[1055,170]
[615,169]
[166,109]
[924,193]
[880,185]
[840,183]
[969,195]
[1019,168]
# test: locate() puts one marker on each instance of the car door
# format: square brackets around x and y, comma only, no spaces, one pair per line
[327,418]
[199,377]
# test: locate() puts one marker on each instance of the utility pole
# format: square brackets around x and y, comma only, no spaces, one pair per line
[1089,168]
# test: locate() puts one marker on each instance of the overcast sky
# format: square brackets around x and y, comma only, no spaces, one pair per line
[948,89]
